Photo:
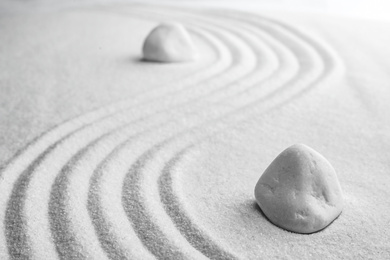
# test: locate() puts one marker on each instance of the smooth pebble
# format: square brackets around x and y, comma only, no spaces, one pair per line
[169,42]
[300,191]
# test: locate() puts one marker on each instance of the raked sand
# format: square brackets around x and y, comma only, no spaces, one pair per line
[108,157]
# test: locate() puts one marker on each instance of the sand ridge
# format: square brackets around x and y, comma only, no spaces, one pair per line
[104,185]
[39,189]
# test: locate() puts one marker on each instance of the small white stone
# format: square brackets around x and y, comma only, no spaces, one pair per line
[300,191]
[169,42]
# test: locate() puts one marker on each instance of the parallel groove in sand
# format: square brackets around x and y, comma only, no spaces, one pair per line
[130,189]
[148,151]
[314,80]
[116,216]
[130,129]
[112,188]
[39,227]
[168,186]
[11,217]
[67,129]
[141,221]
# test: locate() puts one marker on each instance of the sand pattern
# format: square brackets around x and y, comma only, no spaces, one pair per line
[105,186]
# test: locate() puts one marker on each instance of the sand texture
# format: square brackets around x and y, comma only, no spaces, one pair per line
[105,156]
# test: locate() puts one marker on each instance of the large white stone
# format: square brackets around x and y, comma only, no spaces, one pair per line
[169,42]
[300,191]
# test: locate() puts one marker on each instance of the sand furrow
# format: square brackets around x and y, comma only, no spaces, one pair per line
[65,245]
[333,67]
[150,224]
[31,152]
[62,209]
[121,254]
[131,189]
[10,173]
[100,208]
[174,206]
[16,198]
[269,52]
[314,54]
[292,48]
[147,229]
[72,230]
[311,63]
[113,230]
[73,235]
[32,192]
[53,174]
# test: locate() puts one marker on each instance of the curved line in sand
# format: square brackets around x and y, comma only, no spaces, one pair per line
[14,238]
[264,69]
[106,240]
[102,218]
[11,216]
[113,235]
[70,219]
[63,208]
[314,58]
[23,183]
[141,216]
[24,158]
[333,65]
[197,237]
[177,212]
[140,164]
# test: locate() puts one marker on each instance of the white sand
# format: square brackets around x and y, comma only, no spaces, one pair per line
[137,160]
